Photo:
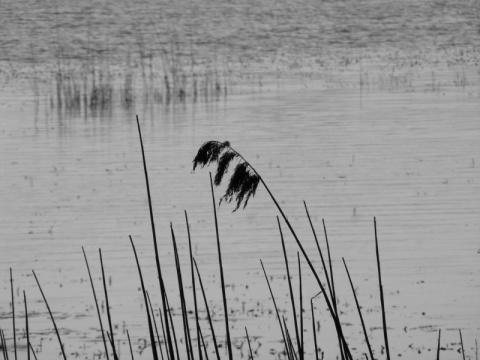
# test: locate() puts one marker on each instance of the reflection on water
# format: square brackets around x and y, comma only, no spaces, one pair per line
[408,158]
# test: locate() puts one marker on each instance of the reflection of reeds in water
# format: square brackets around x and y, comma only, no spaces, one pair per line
[164,80]
[242,185]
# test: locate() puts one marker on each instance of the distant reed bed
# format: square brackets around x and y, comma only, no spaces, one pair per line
[198,336]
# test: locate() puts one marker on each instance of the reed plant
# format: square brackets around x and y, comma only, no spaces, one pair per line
[189,342]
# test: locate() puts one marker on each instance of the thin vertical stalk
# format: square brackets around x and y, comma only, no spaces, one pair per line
[314,330]
[249,346]
[204,346]
[163,331]
[208,310]
[155,324]
[108,306]
[130,345]
[225,308]
[157,258]
[359,312]
[96,305]
[276,308]
[33,352]
[461,343]
[327,276]
[26,325]
[289,281]
[438,346]
[13,316]
[175,342]
[150,328]
[289,339]
[301,355]
[193,289]
[186,327]
[384,320]
[51,316]
[4,345]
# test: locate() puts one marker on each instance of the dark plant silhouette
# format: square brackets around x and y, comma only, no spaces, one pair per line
[242,185]
[244,180]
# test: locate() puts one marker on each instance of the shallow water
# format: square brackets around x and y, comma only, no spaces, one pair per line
[362,109]
[407,158]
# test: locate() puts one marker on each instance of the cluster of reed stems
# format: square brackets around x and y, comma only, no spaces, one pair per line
[167,343]
[164,80]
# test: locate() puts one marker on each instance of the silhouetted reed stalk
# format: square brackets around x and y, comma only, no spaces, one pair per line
[359,311]
[204,346]
[302,354]
[150,328]
[186,327]
[438,346]
[163,332]
[330,280]
[315,331]
[96,305]
[4,345]
[26,325]
[13,316]
[155,325]
[130,345]
[249,346]
[461,343]
[276,311]
[109,317]
[157,258]
[51,316]
[289,281]
[242,185]
[384,320]
[197,323]
[169,311]
[225,308]
[214,338]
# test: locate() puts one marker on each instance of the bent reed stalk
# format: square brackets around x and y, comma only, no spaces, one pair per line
[242,187]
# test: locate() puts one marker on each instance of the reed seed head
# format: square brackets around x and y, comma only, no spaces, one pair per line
[244,180]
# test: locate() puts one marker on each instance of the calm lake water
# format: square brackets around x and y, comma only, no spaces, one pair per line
[362,109]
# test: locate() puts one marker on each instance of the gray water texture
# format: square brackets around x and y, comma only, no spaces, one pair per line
[389,129]
[39,31]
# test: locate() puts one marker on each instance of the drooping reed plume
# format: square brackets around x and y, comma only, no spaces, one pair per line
[242,185]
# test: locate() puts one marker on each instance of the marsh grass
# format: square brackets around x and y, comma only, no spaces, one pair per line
[174,343]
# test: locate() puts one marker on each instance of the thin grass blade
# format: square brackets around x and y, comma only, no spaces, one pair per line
[109,317]
[461,343]
[13,316]
[26,325]
[438,346]
[155,325]
[289,281]
[249,346]
[175,342]
[359,312]
[96,305]
[275,305]
[193,289]
[51,316]
[384,319]
[186,327]
[208,311]
[130,345]
[150,328]
[222,279]
[301,307]
[157,258]
[314,330]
